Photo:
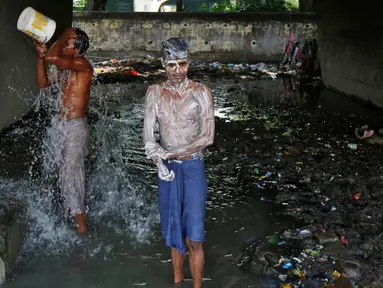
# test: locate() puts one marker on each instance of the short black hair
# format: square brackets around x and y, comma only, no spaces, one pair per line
[82,41]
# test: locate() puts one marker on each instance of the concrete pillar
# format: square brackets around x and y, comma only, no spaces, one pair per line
[350,47]
[18,57]
[179,5]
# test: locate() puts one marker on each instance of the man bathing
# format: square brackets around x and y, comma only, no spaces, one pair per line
[185,114]
[74,79]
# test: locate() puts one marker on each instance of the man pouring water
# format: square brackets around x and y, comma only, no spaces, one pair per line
[73,76]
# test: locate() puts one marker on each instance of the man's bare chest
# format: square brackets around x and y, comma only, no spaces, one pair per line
[181,108]
[67,79]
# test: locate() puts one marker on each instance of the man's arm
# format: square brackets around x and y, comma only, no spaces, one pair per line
[42,79]
[206,136]
[41,74]
[78,64]
[153,149]
[53,56]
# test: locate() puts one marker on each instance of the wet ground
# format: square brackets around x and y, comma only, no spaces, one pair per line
[276,153]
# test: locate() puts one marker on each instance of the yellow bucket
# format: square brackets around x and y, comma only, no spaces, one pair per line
[36,25]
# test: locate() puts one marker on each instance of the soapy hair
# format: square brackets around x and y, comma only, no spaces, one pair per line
[81,42]
[175,48]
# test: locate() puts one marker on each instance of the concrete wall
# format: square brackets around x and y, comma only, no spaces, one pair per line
[212,36]
[351,47]
[18,57]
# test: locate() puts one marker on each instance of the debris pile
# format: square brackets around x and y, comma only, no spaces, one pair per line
[316,170]
[140,69]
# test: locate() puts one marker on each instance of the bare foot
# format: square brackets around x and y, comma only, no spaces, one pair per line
[80,223]
[179,282]
[178,285]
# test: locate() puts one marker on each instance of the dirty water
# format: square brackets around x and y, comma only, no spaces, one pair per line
[247,168]
[124,245]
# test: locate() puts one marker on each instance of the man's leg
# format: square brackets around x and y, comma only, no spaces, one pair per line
[71,185]
[82,134]
[196,261]
[73,172]
[193,218]
[178,265]
[164,190]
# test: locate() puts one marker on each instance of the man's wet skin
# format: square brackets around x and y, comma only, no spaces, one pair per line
[185,113]
[74,78]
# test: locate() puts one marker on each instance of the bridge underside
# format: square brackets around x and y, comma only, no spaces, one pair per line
[351,47]
[350,40]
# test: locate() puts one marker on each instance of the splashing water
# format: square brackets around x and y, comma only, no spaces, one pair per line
[124,207]
[114,199]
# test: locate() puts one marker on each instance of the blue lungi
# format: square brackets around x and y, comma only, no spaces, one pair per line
[182,203]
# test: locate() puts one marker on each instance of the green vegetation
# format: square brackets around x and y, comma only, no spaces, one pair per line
[79,5]
[252,6]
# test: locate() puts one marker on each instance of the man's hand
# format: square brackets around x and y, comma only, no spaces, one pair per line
[41,49]
[153,150]
[164,174]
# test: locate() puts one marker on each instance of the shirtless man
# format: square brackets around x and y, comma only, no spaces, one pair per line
[74,78]
[185,114]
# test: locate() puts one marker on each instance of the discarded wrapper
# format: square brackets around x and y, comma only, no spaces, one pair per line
[336,274]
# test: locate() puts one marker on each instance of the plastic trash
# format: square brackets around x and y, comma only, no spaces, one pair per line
[352,146]
[344,240]
[326,238]
[335,274]
[303,234]
[363,132]
[273,239]
[302,276]
[282,277]
[287,265]
[16,131]
[356,196]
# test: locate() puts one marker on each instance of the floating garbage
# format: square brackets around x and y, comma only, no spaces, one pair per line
[273,239]
[150,67]
[305,233]
[363,132]
[336,274]
[287,265]
[16,131]
[352,146]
